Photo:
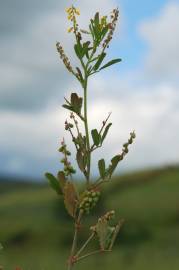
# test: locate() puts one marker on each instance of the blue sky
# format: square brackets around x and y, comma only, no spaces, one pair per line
[141,92]
[132,47]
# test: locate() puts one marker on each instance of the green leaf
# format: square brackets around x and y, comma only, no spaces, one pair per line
[104,32]
[62,179]
[76,103]
[54,183]
[114,162]
[67,107]
[105,132]
[91,29]
[70,198]
[96,25]
[1,247]
[78,50]
[96,19]
[81,160]
[101,166]
[112,62]
[94,59]
[99,61]
[96,29]
[80,74]
[96,137]
[86,48]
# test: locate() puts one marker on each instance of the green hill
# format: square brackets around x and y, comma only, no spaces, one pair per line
[36,232]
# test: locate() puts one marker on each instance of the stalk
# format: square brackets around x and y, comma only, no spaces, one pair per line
[70,263]
[74,244]
[86,130]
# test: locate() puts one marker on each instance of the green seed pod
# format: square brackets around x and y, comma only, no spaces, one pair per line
[61,149]
[68,153]
[70,125]
[87,205]
[62,160]
[90,200]
[93,194]
[96,199]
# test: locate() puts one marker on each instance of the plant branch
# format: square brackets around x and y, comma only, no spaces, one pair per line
[73,248]
[86,131]
[92,253]
[103,125]
[84,245]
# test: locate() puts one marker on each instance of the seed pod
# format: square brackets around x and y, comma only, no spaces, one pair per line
[89,200]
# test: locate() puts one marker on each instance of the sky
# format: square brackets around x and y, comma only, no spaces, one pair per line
[141,92]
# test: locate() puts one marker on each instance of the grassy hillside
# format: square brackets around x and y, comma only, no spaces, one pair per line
[36,231]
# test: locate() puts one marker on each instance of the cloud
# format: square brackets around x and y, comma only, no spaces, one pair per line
[34,82]
[30,67]
[162,35]
[32,140]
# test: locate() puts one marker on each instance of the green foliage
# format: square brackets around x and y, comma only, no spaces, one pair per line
[110,63]
[96,137]
[105,132]
[99,61]
[102,170]
[54,183]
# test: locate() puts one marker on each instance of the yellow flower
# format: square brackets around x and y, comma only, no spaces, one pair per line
[72,10]
[70,29]
[70,17]
[77,11]
[68,10]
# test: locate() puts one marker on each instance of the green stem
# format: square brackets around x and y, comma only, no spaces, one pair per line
[73,248]
[70,264]
[86,130]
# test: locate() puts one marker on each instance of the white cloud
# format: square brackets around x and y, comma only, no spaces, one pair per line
[29,61]
[153,115]
[162,35]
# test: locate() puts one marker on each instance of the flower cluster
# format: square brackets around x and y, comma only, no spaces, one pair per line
[72,12]
[68,168]
[112,26]
[64,58]
[125,149]
[107,217]
[90,198]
